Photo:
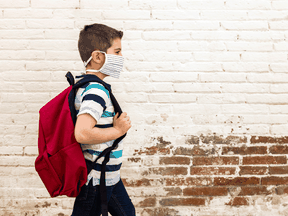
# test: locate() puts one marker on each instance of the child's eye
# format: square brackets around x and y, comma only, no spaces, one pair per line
[118,52]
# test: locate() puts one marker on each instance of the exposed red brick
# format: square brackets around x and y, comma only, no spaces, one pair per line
[212,170]
[159,211]
[172,191]
[152,151]
[194,151]
[148,202]
[205,191]
[274,180]
[182,202]
[202,181]
[174,160]
[215,161]
[163,151]
[135,160]
[253,170]
[267,139]
[183,151]
[192,140]
[236,201]
[175,181]
[223,140]
[148,151]
[264,160]
[203,151]
[254,190]
[244,150]
[282,190]
[236,181]
[279,149]
[162,143]
[167,171]
[278,170]
[141,182]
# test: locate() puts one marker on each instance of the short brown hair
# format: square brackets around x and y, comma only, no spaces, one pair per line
[96,37]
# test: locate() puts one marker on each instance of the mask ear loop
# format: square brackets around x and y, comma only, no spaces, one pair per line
[85,65]
[92,70]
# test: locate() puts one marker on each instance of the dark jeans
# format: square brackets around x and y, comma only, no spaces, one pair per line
[88,202]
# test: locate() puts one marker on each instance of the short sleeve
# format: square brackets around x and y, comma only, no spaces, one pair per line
[93,100]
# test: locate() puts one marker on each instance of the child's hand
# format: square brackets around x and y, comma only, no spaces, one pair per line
[123,123]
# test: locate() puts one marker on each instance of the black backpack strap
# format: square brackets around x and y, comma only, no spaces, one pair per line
[70,78]
[106,152]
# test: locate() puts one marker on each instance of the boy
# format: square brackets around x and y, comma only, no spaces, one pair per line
[97,125]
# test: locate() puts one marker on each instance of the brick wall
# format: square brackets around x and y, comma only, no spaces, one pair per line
[205,84]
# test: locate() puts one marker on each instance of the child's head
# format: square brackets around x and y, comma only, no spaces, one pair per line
[96,37]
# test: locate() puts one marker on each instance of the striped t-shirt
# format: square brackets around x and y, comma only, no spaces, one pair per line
[94,99]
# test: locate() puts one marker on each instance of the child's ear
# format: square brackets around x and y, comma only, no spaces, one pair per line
[96,56]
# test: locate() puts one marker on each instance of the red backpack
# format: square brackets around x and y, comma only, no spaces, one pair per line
[61,164]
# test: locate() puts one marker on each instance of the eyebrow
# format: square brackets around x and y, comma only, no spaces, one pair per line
[117,49]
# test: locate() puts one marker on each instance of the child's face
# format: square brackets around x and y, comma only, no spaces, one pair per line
[115,49]
[99,58]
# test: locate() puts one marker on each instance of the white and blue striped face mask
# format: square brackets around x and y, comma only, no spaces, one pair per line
[112,66]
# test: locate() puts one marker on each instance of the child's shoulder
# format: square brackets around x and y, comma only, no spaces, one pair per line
[96,88]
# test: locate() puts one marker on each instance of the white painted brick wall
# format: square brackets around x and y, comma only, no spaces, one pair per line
[189,66]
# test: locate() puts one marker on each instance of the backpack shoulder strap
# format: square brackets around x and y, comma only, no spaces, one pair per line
[93,78]
[70,78]
[75,87]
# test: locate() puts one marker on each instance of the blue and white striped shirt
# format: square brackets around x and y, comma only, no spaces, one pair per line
[94,99]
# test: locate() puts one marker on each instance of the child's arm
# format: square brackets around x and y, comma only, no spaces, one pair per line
[87,133]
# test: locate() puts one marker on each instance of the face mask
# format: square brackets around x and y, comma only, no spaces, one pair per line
[112,66]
